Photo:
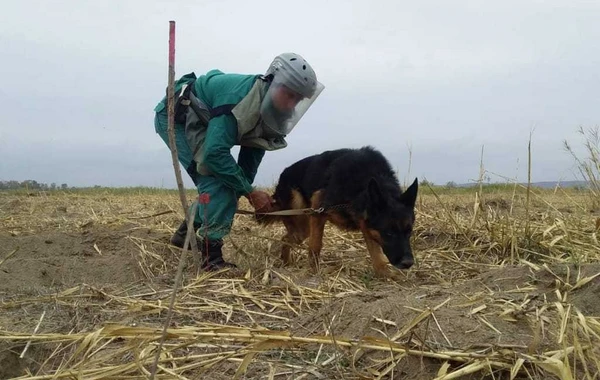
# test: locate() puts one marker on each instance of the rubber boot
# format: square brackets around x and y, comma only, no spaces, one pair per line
[178,238]
[214,259]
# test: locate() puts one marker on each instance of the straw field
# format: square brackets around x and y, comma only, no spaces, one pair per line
[506,285]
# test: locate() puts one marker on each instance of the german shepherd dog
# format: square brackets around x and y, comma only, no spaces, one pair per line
[357,191]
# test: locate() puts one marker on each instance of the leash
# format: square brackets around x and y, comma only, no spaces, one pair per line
[299,211]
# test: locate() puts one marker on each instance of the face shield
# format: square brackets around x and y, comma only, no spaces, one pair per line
[283,106]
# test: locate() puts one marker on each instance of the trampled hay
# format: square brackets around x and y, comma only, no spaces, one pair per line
[493,294]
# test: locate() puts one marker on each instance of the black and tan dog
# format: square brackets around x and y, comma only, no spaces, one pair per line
[358,191]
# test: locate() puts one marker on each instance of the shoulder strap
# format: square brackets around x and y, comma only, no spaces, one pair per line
[225,109]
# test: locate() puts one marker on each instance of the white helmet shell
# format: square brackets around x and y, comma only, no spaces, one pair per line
[291,70]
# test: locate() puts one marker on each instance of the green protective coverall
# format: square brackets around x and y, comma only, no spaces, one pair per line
[228,180]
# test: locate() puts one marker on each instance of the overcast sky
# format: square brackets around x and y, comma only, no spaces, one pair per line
[80,79]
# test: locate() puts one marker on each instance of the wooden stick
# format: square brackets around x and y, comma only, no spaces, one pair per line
[191,235]
[173,145]
[527,214]
[171,114]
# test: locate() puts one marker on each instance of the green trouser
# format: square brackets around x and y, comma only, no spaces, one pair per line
[223,200]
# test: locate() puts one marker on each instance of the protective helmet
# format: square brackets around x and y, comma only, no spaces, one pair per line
[293,89]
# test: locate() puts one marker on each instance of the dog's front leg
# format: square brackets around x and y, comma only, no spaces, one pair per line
[377,257]
[315,240]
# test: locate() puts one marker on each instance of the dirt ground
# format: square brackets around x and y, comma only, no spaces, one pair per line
[484,309]
[62,259]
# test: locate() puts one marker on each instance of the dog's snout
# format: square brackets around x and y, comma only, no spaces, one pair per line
[400,254]
[405,263]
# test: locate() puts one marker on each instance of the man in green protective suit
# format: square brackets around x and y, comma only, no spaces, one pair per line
[216,111]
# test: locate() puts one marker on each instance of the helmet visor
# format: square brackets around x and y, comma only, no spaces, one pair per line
[282,107]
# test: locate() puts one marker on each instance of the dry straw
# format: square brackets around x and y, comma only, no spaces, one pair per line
[506,286]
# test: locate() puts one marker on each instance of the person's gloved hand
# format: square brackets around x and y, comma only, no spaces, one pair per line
[261,201]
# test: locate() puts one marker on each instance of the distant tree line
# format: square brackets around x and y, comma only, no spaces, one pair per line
[31,185]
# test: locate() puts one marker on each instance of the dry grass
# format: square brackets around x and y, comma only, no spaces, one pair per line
[502,289]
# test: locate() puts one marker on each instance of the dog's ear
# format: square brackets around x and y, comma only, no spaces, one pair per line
[409,197]
[373,192]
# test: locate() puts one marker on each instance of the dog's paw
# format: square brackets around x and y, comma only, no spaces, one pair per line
[382,271]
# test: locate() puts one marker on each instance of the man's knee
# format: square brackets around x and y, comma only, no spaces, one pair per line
[221,206]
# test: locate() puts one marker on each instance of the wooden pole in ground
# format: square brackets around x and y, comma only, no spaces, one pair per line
[191,235]
[171,129]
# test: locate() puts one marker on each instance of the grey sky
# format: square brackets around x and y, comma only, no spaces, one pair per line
[79,81]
